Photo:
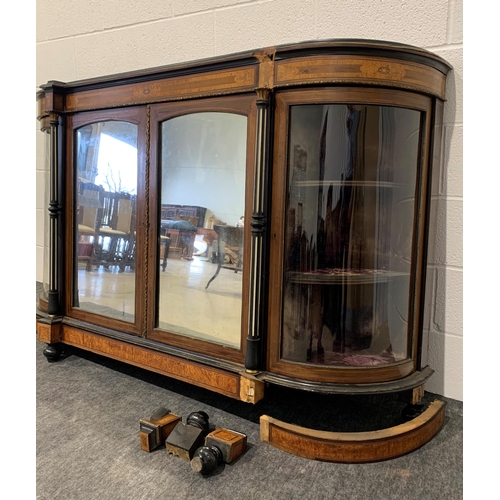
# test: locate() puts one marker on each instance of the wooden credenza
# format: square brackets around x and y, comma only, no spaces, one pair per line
[326,148]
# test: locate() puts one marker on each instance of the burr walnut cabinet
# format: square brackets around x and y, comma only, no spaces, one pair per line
[294,179]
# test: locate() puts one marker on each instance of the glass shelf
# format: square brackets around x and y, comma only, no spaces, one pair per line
[353,183]
[344,276]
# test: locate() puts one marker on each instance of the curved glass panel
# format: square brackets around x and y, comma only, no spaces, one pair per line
[352,174]
[203,165]
[106,192]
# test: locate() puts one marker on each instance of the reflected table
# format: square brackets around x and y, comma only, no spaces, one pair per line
[229,243]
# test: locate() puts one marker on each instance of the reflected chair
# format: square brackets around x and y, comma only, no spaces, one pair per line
[182,234]
[165,242]
[229,243]
[115,245]
[89,203]
[164,247]
[126,255]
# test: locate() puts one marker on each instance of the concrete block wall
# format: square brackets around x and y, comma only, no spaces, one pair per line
[79,40]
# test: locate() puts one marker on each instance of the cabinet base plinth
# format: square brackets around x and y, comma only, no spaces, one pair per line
[354,447]
[236,385]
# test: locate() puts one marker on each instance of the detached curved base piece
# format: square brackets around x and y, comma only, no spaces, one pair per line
[354,447]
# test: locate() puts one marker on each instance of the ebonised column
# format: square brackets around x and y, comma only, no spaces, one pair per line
[54,302]
[253,358]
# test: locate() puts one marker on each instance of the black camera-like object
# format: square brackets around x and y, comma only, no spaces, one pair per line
[187,437]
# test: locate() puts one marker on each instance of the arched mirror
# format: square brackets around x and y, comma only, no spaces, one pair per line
[105,206]
[203,159]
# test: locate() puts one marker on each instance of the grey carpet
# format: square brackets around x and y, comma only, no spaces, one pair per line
[87,441]
[88,412]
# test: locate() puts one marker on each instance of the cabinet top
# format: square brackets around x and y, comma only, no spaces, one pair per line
[335,61]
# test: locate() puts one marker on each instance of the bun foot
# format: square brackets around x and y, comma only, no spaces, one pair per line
[52,352]
[206,459]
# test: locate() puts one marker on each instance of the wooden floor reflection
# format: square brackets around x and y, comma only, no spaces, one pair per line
[185,306]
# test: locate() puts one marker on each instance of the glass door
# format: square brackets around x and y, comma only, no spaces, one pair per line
[201,194]
[106,157]
[351,173]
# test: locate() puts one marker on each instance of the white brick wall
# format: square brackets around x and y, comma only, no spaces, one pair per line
[78,40]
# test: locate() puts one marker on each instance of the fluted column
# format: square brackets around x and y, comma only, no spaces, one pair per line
[54,301]
[253,358]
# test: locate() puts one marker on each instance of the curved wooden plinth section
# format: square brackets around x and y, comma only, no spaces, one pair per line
[354,447]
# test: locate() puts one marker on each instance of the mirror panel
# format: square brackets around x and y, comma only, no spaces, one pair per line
[203,169]
[105,198]
[44,295]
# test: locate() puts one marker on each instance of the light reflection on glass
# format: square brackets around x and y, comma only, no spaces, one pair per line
[106,191]
[203,168]
[350,205]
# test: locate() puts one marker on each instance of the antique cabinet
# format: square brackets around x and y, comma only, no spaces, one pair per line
[294,180]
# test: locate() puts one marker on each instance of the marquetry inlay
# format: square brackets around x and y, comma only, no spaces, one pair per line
[339,69]
[173,88]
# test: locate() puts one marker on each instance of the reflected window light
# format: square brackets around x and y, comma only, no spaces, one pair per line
[117,165]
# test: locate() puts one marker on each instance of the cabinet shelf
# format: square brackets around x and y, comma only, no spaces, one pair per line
[343,183]
[344,276]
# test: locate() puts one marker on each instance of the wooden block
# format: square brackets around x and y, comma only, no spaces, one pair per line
[184,440]
[417,394]
[251,388]
[154,431]
[48,332]
[232,444]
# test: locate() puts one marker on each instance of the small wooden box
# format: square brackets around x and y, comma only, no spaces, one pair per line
[232,444]
[154,431]
[184,440]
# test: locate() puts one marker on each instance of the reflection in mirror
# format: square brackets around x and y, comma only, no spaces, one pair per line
[350,211]
[106,191]
[203,164]
[44,295]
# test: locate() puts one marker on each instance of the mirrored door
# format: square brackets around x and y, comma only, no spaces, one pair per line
[203,197]
[106,154]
